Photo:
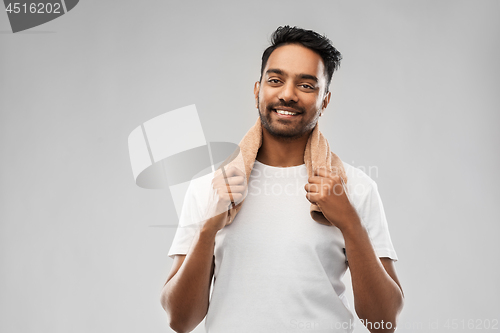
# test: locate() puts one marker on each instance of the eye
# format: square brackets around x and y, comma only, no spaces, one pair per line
[274,81]
[307,86]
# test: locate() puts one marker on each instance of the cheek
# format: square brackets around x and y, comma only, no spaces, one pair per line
[311,102]
[262,93]
[319,105]
[264,98]
[318,102]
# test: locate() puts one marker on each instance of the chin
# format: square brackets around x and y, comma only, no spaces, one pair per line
[273,127]
[283,133]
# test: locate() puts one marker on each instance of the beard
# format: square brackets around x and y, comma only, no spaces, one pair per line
[285,129]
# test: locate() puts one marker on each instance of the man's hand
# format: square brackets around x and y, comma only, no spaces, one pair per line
[230,188]
[326,190]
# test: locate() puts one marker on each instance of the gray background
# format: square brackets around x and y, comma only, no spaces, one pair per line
[417,97]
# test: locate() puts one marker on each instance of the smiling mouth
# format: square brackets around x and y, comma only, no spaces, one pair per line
[286,113]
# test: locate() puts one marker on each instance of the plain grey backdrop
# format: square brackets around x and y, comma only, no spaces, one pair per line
[416,97]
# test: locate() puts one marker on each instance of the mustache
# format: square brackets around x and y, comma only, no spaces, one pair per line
[286,105]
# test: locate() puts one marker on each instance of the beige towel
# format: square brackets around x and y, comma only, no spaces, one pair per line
[317,154]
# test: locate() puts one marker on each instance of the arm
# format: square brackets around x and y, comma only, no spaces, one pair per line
[185,295]
[378,297]
[377,293]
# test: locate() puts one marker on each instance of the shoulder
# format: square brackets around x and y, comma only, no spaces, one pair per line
[196,196]
[358,179]
[363,194]
[200,185]
[362,190]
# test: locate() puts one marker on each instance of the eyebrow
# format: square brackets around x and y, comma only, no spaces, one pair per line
[300,76]
[308,77]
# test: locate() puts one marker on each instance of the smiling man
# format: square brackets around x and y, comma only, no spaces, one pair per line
[286,77]
[277,235]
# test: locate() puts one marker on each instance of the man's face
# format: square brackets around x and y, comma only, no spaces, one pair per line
[293,82]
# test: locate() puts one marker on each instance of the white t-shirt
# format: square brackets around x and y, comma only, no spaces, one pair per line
[276,269]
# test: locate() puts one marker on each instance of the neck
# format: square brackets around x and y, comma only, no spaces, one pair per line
[282,152]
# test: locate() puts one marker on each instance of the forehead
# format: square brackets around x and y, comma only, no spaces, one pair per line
[295,59]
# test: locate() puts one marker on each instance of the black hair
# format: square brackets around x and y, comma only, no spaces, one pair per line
[312,40]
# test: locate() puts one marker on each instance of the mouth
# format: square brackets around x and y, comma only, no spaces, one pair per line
[286,112]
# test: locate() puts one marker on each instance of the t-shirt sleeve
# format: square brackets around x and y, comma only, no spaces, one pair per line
[369,206]
[189,223]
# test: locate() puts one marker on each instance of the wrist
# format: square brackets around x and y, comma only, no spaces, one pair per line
[210,227]
[352,227]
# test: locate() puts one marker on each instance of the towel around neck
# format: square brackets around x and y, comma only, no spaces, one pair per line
[317,154]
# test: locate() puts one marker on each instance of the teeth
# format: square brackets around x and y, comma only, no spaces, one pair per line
[286,112]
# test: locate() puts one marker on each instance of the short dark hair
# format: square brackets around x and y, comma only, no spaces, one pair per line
[312,40]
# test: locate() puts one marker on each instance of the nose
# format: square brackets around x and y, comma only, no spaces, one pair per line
[288,93]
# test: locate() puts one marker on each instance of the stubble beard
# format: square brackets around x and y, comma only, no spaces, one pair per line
[289,134]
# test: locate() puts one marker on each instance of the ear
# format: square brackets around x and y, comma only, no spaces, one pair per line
[256,89]
[326,101]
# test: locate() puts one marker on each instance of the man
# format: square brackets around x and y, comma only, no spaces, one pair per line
[276,269]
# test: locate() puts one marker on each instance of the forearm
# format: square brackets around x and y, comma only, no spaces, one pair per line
[377,296]
[185,296]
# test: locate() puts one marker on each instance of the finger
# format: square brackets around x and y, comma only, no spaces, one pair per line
[322,172]
[312,188]
[229,172]
[235,188]
[236,180]
[316,180]
[237,198]
[230,180]
[233,171]
[228,193]
[312,197]
[226,180]
[235,193]
[233,198]
[228,186]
